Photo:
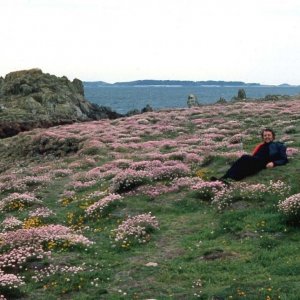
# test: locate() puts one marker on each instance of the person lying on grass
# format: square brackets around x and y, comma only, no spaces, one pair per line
[268,154]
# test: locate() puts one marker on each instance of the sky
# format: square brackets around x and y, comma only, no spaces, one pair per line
[125,40]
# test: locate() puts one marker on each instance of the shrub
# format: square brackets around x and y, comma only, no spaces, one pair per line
[103,206]
[291,151]
[18,256]
[236,139]
[290,207]
[42,236]
[272,97]
[129,179]
[241,94]
[9,283]
[41,212]
[290,129]
[221,101]
[44,273]
[248,192]
[170,170]
[135,230]
[16,201]
[10,223]
[206,190]
[80,185]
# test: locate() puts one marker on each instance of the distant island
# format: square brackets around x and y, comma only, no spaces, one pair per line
[152,82]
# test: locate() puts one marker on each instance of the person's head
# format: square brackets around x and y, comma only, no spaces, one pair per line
[268,135]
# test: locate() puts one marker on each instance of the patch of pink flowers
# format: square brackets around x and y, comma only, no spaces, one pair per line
[153,190]
[128,179]
[10,223]
[160,188]
[24,199]
[248,192]
[103,206]
[61,172]
[208,189]
[80,185]
[10,281]
[42,234]
[135,229]
[144,171]
[16,257]
[278,188]
[39,275]
[290,206]
[36,180]
[41,212]
[291,151]
[10,183]
[170,170]
[68,194]
[186,182]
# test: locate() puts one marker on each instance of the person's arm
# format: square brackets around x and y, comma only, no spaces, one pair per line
[282,154]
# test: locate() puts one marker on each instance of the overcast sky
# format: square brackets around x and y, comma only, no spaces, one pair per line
[123,40]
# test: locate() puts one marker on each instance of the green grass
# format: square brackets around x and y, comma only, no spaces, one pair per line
[245,253]
[248,251]
[238,254]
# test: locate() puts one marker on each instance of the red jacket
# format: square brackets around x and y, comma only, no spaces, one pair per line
[277,153]
[257,147]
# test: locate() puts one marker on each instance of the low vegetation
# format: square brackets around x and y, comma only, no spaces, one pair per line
[124,209]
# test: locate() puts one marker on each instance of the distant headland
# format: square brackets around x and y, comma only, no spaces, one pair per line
[152,82]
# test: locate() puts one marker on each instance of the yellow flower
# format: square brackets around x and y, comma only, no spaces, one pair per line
[51,244]
[32,222]
[202,173]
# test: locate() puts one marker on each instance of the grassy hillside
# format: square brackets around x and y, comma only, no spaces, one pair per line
[124,209]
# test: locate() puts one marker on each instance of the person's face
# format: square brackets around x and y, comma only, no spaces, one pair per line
[268,136]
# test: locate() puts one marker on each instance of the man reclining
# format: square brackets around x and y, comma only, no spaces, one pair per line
[268,154]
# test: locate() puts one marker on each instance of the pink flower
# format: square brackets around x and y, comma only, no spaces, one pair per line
[102,206]
[290,206]
[135,228]
[10,223]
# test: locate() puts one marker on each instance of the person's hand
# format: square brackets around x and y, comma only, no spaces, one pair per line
[270,165]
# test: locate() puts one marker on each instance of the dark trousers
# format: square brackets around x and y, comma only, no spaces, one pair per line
[245,166]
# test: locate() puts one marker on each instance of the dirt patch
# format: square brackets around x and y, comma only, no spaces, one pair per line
[240,205]
[218,254]
[248,234]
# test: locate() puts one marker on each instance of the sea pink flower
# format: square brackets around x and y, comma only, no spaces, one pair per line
[19,255]
[290,206]
[40,275]
[103,206]
[39,235]
[291,151]
[135,229]
[17,200]
[41,212]
[10,280]
[10,223]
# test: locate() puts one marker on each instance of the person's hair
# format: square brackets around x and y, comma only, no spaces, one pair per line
[267,129]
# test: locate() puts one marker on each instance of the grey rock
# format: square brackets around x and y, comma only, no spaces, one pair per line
[192,101]
[35,99]
[147,108]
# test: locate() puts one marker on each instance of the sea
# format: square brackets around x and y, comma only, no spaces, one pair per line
[123,99]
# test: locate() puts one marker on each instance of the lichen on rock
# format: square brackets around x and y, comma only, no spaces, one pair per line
[31,98]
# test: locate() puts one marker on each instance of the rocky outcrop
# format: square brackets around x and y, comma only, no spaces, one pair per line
[192,101]
[31,98]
